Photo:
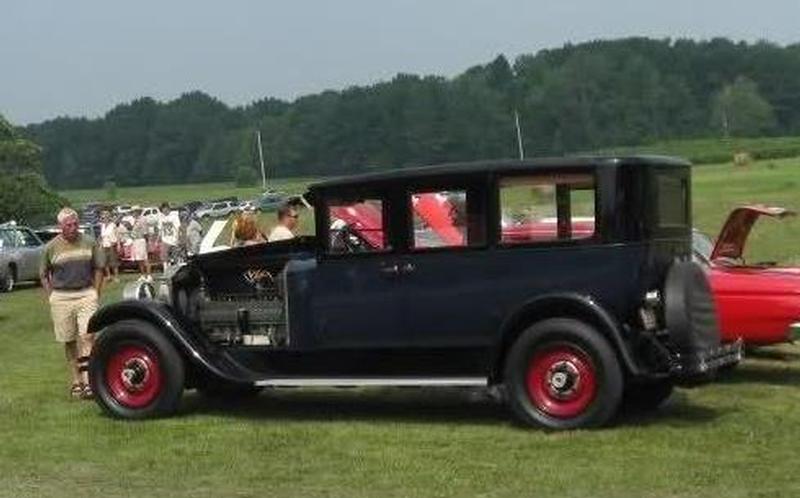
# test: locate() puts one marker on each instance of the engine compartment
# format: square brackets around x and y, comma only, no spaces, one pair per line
[253,314]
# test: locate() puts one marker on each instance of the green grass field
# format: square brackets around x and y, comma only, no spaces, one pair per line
[734,438]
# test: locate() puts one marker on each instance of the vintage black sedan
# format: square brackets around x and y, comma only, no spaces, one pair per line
[568,283]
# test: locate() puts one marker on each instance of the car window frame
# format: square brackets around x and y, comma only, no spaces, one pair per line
[594,239]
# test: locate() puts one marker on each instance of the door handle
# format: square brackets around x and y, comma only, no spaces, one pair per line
[391,270]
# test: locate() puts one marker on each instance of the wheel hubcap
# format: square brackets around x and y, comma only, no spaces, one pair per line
[133,376]
[561,381]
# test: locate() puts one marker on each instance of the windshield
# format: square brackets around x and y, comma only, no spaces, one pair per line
[702,246]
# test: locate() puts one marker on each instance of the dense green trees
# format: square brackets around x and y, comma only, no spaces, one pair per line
[575,98]
[24,195]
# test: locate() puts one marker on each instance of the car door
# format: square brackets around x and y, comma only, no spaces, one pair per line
[356,300]
[30,253]
[443,269]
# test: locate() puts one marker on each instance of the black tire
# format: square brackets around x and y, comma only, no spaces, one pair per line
[647,396]
[225,391]
[9,280]
[581,366]
[122,351]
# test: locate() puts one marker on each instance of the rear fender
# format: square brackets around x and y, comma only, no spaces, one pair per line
[577,306]
[161,316]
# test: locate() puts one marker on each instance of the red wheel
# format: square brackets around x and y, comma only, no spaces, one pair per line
[562,373]
[133,376]
[561,381]
[135,371]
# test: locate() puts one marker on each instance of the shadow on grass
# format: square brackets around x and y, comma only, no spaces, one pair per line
[677,411]
[775,374]
[401,405]
[414,406]
[773,354]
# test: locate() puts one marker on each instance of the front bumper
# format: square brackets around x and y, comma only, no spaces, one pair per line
[706,362]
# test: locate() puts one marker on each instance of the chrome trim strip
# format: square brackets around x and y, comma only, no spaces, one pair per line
[374,381]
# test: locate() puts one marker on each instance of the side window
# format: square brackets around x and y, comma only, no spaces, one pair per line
[357,226]
[28,239]
[546,208]
[673,201]
[446,218]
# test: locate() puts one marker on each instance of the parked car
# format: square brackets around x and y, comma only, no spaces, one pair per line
[757,302]
[218,210]
[567,324]
[20,255]
[248,207]
[271,200]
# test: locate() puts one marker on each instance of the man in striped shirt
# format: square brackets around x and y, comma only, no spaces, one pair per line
[72,277]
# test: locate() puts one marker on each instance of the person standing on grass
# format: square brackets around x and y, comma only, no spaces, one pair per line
[287,224]
[71,273]
[139,245]
[109,241]
[194,235]
[169,225]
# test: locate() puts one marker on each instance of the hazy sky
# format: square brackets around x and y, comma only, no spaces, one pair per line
[81,57]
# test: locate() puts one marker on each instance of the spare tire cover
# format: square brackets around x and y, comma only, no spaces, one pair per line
[689,310]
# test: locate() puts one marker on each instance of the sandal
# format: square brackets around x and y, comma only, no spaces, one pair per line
[87,393]
[76,390]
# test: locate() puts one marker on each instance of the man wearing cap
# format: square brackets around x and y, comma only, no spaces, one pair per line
[72,277]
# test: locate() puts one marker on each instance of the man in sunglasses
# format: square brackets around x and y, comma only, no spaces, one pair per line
[287,224]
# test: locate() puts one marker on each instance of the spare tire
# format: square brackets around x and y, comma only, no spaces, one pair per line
[689,309]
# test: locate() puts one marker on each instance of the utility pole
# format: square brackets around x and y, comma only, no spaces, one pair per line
[519,136]
[261,161]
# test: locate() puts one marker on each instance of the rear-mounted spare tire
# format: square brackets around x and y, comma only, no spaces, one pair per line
[689,311]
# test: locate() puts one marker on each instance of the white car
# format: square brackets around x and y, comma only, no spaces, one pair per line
[218,210]
[248,206]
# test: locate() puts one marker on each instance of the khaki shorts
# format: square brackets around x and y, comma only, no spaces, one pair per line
[110,253]
[71,311]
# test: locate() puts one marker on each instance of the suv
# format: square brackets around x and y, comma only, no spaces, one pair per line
[20,255]
[498,286]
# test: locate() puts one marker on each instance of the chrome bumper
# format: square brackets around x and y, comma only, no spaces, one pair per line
[706,362]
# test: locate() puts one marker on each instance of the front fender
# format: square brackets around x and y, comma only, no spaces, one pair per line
[162,316]
[567,305]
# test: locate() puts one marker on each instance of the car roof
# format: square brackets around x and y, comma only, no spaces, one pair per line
[500,165]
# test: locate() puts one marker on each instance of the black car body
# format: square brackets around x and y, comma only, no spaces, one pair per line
[569,322]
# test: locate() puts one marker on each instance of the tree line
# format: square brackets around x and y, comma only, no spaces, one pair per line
[575,98]
[24,194]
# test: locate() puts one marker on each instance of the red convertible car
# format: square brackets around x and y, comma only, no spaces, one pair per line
[757,302]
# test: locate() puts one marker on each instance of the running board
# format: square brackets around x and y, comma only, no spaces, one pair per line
[373,382]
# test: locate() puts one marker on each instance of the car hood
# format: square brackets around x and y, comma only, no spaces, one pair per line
[733,236]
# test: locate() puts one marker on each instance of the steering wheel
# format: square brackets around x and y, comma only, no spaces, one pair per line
[346,240]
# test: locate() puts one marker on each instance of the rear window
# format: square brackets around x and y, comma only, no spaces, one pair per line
[673,200]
